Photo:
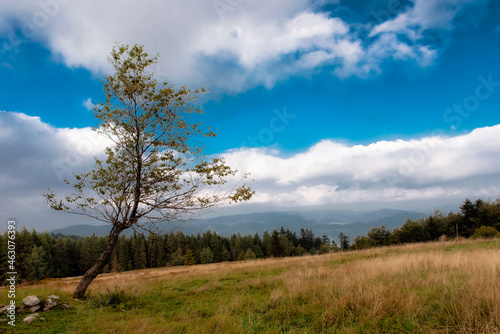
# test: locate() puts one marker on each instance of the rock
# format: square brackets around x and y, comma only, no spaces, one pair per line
[35,308]
[53,297]
[3,309]
[29,319]
[65,305]
[31,301]
[50,304]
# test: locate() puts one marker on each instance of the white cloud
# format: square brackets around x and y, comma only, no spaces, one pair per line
[414,22]
[253,42]
[88,104]
[37,156]
[329,172]
[243,45]
[422,15]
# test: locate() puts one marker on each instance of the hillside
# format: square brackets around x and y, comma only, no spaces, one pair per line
[329,222]
[449,287]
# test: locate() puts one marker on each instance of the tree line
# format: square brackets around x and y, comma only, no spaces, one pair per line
[42,255]
[475,219]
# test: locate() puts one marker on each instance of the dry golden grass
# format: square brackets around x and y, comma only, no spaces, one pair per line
[451,287]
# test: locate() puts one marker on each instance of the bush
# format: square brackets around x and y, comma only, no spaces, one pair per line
[485,232]
[324,249]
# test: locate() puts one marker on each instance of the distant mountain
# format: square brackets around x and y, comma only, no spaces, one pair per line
[396,220]
[329,222]
[87,230]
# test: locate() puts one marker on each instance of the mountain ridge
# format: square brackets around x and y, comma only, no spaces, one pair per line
[324,222]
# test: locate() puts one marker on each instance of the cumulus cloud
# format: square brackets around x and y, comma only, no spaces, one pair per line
[433,167]
[233,45]
[419,31]
[422,15]
[36,156]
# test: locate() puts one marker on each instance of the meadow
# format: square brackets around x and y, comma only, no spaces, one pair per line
[437,287]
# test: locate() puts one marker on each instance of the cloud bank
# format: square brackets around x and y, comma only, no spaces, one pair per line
[429,168]
[436,168]
[37,156]
[237,45]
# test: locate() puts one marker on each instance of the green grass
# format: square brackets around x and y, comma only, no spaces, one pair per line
[426,288]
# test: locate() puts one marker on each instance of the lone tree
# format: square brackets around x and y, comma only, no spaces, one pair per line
[155,171]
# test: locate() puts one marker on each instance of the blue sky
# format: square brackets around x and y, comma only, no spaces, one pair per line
[362,83]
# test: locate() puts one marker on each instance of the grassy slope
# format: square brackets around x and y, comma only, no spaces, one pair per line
[424,288]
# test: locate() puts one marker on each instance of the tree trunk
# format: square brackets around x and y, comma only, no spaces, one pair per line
[101,262]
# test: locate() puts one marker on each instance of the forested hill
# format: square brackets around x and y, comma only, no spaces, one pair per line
[328,222]
[41,255]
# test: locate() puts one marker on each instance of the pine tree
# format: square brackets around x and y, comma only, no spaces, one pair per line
[249,255]
[275,247]
[24,248]
[177,259]
[206,255]
[343,241]
[37,266]
[124,259]
[61,262]
[189,257]
[89,252]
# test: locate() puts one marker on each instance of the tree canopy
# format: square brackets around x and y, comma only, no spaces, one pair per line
[155,171]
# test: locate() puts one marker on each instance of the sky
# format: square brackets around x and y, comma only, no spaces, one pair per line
[329,104]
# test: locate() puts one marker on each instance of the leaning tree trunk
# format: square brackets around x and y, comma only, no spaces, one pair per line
[101,262]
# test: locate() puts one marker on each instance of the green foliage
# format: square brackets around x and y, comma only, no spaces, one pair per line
[206,255]
[343,241]
[89,253]
[324,249]
[475,219]
[189,259]
[257,249]
[24,248]
[379,236]
[37,266]
[361,242]
[470,217]
[275,246]
[485,232]
[249,255]
[65,256]
[177,258]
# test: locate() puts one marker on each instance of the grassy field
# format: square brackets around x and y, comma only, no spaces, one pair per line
[450,287]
